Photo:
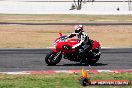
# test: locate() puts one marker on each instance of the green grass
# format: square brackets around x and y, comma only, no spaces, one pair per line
[63,18]
[57,80]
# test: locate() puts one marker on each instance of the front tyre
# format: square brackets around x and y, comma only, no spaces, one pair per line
[53,58]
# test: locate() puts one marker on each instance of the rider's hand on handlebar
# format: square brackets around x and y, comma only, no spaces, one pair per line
[66,37]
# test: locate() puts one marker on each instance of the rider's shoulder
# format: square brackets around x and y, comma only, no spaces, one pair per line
[84,33]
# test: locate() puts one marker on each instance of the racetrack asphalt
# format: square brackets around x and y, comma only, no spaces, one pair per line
[33,59]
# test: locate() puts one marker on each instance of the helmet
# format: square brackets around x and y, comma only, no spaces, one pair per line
[78,28]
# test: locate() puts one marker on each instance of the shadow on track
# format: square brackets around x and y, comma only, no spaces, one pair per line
[78,64]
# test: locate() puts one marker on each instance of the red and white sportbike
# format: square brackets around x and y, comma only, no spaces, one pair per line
[63,49]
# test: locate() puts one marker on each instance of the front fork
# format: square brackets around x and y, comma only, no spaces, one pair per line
[57,55]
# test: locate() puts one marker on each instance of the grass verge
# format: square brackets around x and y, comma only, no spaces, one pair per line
[58,80]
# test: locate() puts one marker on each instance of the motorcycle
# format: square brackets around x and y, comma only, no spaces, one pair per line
[63,49]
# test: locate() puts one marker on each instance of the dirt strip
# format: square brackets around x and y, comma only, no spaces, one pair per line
[41,36]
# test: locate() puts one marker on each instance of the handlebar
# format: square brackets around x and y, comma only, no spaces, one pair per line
[63,38]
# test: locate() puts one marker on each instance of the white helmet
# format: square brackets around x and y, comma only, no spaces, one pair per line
[78,28]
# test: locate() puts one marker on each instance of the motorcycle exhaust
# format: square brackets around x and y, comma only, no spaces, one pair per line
[99,53]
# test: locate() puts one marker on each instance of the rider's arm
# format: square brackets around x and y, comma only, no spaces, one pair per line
[81,41]
[71,35]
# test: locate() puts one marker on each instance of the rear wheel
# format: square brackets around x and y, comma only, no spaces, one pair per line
[94,57]
[53,58]
[93,60]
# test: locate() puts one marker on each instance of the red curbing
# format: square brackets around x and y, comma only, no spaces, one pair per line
[94,71]
[121,71]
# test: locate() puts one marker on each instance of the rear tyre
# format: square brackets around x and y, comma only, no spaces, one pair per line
[93,59]
[53,58]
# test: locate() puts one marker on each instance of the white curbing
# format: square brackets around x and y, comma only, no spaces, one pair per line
[63,71]
[15,73]
[105,71]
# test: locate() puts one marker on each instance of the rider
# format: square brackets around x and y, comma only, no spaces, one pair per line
[85,42]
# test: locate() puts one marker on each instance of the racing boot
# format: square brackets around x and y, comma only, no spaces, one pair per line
[82,56]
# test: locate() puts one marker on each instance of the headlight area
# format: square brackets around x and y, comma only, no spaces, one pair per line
[54,44]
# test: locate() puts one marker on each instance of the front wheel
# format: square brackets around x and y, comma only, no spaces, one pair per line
[53,58]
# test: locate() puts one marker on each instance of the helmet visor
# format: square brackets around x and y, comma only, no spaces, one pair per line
[77,31]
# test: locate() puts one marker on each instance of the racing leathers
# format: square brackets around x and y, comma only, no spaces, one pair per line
[85,42]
